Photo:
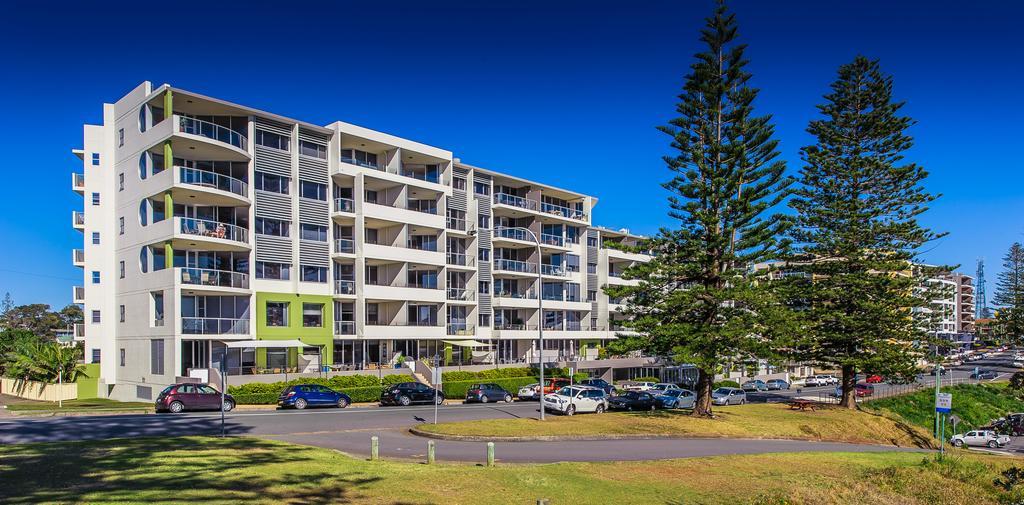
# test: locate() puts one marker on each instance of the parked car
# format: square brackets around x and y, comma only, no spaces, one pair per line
[177,398]
[755,385]
[1018,363]
[633,400]
[551,384]
[777,385]
[676,399]
[572,399]
[980,438]
[942,371]
[874,379]
[638,386]
[984,374]
[821,380]
[407,393]
[528,392]
[312,395]
[601,384]
[662,387]
[861,389]
[487,392]
[728,396]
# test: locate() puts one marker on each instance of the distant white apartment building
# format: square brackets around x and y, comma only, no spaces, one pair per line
[212,230]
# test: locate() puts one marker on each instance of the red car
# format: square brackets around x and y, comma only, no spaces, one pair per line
[865,389]
[874,379]
[180,397]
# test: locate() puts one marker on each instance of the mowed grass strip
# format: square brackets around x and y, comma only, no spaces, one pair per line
[98,404]
[742,421]
[249,470]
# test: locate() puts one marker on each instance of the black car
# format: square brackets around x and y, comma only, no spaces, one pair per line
[484,393]
[984,374]
[633,400]
[600,384]
[407,393]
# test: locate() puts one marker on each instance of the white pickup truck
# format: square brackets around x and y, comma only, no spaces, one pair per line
[980,438]
[821,380]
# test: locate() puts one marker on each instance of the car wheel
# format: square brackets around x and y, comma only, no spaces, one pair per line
[629,408]
[300,403]
[653,407]
[992,444]
[508,398]
[743,400]
[176,407]
[404,401]
[228,405]
[440,399]
[484,399]
[342,403]
[599,409]
[570,410]
[958,443]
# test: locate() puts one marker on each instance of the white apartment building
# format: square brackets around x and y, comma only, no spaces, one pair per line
[221,235]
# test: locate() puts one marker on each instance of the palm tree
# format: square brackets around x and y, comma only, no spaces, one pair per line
[46,362]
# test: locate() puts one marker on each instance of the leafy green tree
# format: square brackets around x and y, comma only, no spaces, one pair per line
[1009,295]
[11,340]
[71,315]
[857,235]
[46,362]
[35,317]
[697,298]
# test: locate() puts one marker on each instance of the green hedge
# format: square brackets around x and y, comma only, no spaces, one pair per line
[490,373]
[726,384]
[258,393]
[358,395]
[457,389]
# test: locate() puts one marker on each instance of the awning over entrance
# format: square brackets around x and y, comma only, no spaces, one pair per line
[263,344]
[466,343]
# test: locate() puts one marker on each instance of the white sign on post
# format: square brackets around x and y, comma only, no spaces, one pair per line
[943,402]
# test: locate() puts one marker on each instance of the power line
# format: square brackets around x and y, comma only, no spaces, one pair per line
[33,274]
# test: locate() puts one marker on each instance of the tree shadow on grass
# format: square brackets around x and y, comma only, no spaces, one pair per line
[178,469]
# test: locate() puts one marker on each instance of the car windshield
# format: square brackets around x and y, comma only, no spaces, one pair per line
[167,389]
[722,391]
[568,391]
[632,395]
[673,392]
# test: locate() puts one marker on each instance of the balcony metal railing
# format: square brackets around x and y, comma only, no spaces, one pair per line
[527,295]
[78,181]
[78,294]
[344,327]
[208,179]
[455,223]
[344,287]
[612,273]
[460,259]
[515,201]
[555,270]
[554,297]
[426,207]
[77,219]
[211,277]
[344,245]
[214,326]
[461,294]
[421,246]
[558,210]
[515,266]
[344,205]
[515,326]
[403,284]
[212,229]
[78,256]
[513,233]
[462,328]
[212,131]
[405,323]
[549,239]
[358,163]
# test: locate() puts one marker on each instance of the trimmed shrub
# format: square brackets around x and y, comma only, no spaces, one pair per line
[457,389]
[390,380]
[365,387]
[725,384]
[489,374]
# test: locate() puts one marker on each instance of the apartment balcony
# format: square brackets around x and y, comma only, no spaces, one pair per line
[422,175]
[216,235]
[211,187]
[615,279]
[404,291]
[405,214]
[461,295]
[460,260]
[402,329]
[198,127]
[552,240]
[78,220]
[515,201]
[358,163]
[403,254]
[78,294]
[78,257]
[79,332]
[455,224]
[515,267]
[78,183]
[514,300]
[462,329]
[553,270]
[519,234]
[344,327]
[212,279]
[214,326]
[344,287]
[563,212]
[344,205]
[615,254]
[344,246]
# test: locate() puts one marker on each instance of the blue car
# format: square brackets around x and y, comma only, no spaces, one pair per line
[312,395]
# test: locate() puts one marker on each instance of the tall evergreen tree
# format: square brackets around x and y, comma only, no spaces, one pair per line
[1009,294]
[856,233]
[697,298]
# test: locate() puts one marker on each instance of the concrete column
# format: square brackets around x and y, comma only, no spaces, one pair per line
[168,103]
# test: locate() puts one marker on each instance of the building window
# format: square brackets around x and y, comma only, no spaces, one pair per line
[277,313]
[481,188]
[272,140]
[266,226]
[372,314]
[95,159]
[591,268]
[95,277]
[312,190]
[120,225]
[357,157]
[484,254]
[312,315]
[95,355]
[591,241]
[485,319]
[276,271]
[121,313]
[591,295]
[572,262]
[120,265]
[312,149]
[313,232]
[144,259]
[120,181]
[96,316]
[122,356]
[484,221]
[142,119]
[270,182]
[120,137]
[314,274]
[156,356]
[484,287]
[95,198]
[459,183]
[96,238]
[143,166]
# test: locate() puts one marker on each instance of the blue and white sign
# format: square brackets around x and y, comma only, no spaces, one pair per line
[943,402]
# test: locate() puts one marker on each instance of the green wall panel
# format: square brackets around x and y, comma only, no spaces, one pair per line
[322,336]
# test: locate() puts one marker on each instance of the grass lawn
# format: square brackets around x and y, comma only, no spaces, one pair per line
[95,404]
[742,421]
[974,404]
[248,470]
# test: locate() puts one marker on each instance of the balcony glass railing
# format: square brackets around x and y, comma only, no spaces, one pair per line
[461,294]
[426,207]
[462,328]
[549,239]
[515,266]
[455,223]
[558,210]
[212,229]
[344,287]
[213,131]
[210,277]
[513,233]
[359,163]
[423,176]
[344,327]
[515,326]
[344,245]
[344,205]
[555,270]
[404,323]
[214,326]
[515,201]
[527,295]
[405,284]
[421,246]
[208,179]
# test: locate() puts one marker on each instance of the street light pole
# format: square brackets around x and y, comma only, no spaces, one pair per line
[540,311]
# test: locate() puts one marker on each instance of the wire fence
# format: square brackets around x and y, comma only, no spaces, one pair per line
[879,391]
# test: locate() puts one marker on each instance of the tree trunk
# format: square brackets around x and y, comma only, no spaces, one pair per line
[702,403]
[849,387]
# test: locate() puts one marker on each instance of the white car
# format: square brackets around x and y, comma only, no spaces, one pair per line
[528,392]
[662,388]
[980,438]
[572,399]
[638,386]
[821,380]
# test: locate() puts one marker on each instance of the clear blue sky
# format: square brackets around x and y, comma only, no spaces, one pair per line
[567,94]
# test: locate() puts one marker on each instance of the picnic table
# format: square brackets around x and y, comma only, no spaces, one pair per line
[802,405]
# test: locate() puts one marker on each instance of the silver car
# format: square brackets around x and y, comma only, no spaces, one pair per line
[676,399]
[728,396]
